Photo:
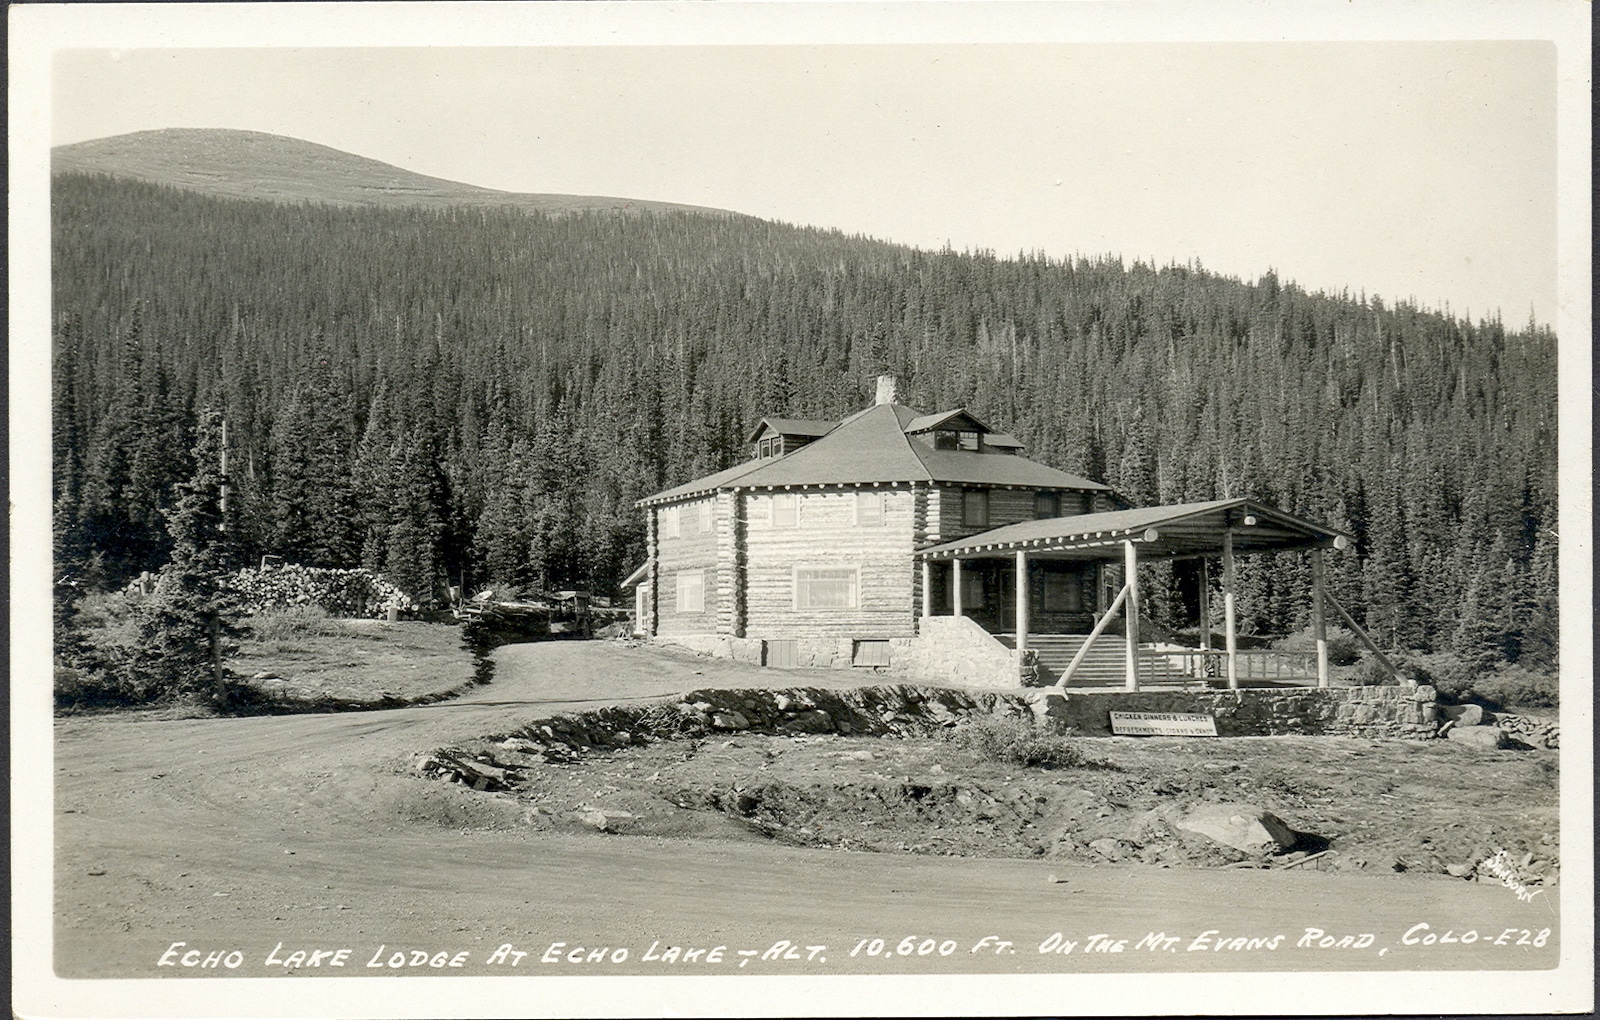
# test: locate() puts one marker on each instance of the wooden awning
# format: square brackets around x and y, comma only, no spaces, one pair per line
[1162,532]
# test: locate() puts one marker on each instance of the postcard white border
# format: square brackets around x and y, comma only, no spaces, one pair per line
[38,30]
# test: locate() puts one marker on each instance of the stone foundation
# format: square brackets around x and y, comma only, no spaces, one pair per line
[953,649]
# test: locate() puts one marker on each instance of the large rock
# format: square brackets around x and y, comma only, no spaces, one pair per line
[1490,738]
[1466,715]
[1242,826]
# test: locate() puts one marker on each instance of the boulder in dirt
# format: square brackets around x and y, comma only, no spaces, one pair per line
[729,721]
[1107,848]
[1242,826]
[1490,738]
[1464,715]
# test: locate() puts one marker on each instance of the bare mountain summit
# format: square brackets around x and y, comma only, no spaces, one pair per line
[254,165]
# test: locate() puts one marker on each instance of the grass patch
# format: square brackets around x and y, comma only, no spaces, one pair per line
[1013,741]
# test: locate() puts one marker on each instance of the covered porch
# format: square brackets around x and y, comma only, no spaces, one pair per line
[1048,577]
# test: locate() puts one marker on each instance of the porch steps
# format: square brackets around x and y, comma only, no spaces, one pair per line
[1104,666]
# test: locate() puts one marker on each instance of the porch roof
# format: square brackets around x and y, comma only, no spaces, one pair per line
[1163,532]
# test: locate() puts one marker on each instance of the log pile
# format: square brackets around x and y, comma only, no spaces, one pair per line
[346,593]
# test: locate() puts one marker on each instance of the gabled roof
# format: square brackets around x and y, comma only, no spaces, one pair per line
[872,446]
[933,421]
[793,427]
[1182,529]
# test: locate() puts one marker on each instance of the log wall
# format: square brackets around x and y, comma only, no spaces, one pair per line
[827,536]
[693,549]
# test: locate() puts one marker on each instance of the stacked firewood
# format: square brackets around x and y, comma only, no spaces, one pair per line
[355,592]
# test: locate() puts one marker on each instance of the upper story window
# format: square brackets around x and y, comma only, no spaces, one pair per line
[1046,504]
[705,509]
[967,440]
[669,522]
[770,447]
[785,510]
[869,509]
[975,508]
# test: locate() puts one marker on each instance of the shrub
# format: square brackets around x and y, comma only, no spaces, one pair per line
[291,623]
[1343,648]
[1015,741]
[1517,687]
[1372,673]
[1495,686]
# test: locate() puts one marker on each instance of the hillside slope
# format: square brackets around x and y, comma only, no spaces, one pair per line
[254,165]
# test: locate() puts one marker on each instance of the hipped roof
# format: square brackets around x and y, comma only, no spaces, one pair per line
[872,446]
[1178,530]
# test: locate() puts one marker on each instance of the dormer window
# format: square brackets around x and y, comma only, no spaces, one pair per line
[954,439]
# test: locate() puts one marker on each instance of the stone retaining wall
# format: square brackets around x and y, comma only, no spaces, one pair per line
[1358,711]
[954,649]
[912,710]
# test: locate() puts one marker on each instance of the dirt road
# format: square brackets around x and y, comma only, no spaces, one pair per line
[250,840]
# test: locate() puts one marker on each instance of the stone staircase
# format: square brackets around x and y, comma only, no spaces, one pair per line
[1104,666]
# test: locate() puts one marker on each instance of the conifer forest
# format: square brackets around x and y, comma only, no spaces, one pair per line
[479,396]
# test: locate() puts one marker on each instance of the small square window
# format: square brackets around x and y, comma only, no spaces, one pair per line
[944,440]
[1046,504]
[967,441]
[975,508]
[691,591]
[869,509]
[786,510]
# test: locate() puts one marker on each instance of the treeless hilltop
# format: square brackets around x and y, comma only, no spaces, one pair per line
[228,163]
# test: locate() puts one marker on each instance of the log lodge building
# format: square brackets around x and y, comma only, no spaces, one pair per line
[928,545]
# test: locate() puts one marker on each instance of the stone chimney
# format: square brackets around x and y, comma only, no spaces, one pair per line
[885,390]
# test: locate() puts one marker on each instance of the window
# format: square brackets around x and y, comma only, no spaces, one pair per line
[706,526]
[691,590]
[786,510]
[975,508]
[1046,504]
[944,440]
[770,448]
[669,522]
[826,587]
[869,509]
[967,440]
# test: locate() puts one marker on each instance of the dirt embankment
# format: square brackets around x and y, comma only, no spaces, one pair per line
[813,767]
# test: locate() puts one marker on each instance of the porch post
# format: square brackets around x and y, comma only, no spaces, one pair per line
[927,589]
[1022,601]
[1230,632]
[955,586]
[1130,611]
[1319,622]
[1205,604]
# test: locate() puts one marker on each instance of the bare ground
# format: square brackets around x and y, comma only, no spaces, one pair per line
[314,831]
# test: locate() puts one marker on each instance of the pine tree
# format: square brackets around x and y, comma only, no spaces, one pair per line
[184,625]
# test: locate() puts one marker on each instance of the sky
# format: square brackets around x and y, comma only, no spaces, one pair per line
[1408,170]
